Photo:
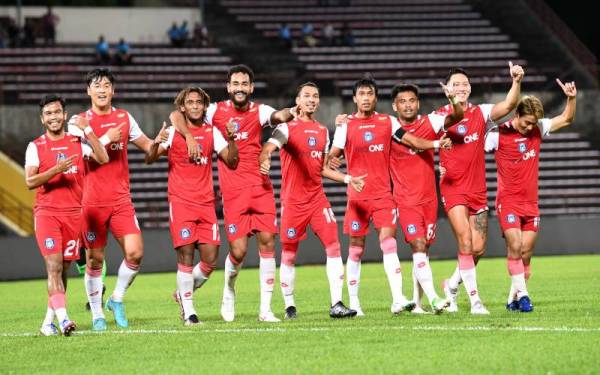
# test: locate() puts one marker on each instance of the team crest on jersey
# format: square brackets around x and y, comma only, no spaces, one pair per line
[461,129]
[291,233]
[312,141]
[49,243]
[368,136]
[411,228]
[91,236]
[355,226]
[231,228]
[60,156]
[236,126]
[511,218]
[522,147]
[185,233]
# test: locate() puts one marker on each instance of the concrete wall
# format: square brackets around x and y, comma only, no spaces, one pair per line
[136,24]
[559,235]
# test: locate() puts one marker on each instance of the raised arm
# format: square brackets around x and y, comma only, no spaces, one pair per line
[504,107]
[156,149]
[99,153]
[457,109]
[568,115]
[283,115]
[229,154]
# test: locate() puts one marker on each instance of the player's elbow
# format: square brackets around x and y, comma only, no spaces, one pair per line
[30,184]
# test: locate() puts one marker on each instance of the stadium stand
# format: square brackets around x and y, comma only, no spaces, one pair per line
[157,72]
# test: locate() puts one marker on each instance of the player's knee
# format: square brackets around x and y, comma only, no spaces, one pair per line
[465,244]
[135,257]
[355,253]
[266,252]
[418,245]
[54,269]
[333,250]
[388,245]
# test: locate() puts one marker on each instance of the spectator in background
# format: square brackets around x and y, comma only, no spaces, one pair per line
[173,34]
[49,22]
[122,53]
[347,36]
[285,34]
[329,34]
[12,33]
[184,33]
[307,35]
[28,33]
[102,51]
[201,37]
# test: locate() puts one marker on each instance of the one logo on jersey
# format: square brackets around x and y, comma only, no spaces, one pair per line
[461,129]
[411,228]
[231,228]
[49,243]
[117,146]
[368,136]
[185,233]
[91,236]
[529,154]
[511,218]
[291,233]
[355,226]
[312,141]
[522,147]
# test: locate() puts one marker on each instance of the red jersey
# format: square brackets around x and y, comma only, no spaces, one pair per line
[191,181]
[302,144]
[108,184]
[412,171]
[248,129]
[465,162]
[366,143]
[61,195]
[517,158]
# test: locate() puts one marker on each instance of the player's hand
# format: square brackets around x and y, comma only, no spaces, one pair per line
[230,129]
[358,183]
[114,133]
[568,88]
[64,164]
[516,72]
[80,121]
[442,171]
[163,135]
[445,143]
[341,119]
[265,165]
[192,146]
[334,162]
[448,91]
[295,111]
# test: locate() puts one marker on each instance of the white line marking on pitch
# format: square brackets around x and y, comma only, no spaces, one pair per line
[320,329]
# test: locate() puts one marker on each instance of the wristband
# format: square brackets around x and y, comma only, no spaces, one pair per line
[104,140]
[347,179]
[436,145]
[88,130]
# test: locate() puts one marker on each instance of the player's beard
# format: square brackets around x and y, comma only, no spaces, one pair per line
[57,131]
[237,103]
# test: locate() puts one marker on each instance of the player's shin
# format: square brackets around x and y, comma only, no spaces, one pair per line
[287,272]
[49,313]
[424,275]
[127,273]
[391,264]
[232,269]
[201,273]
[185,286]
[469,276]
[353,274]
[93,288]
[517,275]
[335,272]
[58,302]
[267,268]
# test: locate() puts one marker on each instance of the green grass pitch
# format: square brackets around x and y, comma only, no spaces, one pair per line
[562,335]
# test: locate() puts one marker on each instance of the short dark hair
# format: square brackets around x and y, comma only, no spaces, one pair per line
[50,98]
[306,84]
[404,87]
[454,71]
[240,69]
[366,81]
[98,74]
